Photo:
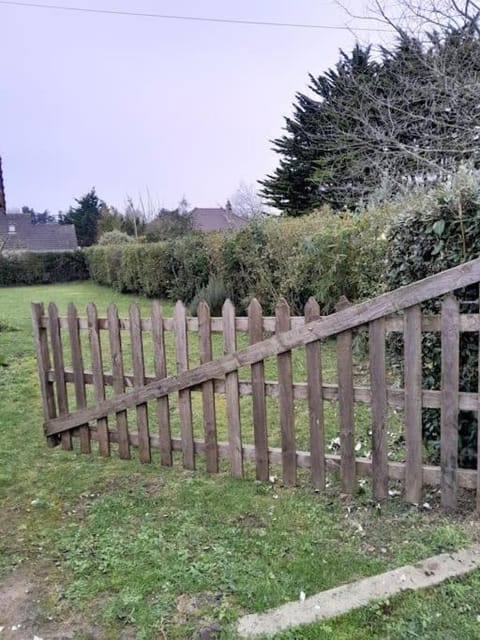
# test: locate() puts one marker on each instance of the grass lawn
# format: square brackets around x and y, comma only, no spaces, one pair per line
[121,549]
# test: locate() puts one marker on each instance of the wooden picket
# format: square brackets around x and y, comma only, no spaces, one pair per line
[346,401]
[259,406]
[98,379]
[396,312]
[160,366]
[208,389]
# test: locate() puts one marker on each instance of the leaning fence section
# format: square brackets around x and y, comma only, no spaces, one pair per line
[129,382]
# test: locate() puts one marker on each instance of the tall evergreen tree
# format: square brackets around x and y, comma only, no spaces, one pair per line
[409,117]
[85,218]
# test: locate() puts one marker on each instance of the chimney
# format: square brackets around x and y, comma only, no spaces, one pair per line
[3,205]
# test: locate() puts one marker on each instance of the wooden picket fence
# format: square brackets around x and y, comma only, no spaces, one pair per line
[107,399]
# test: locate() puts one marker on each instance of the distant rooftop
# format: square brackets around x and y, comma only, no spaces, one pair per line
[217,219]
[19,232]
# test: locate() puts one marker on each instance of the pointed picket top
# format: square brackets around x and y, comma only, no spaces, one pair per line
[203,309]
[52,308]
[180,308]
[255,321]
[254,306]
[72,309]
[134,308]
[92,310]
[228,307]
[112,311]
[282,304]
[282,315]
[229,334]
[312,310]
[157,309]
[204,331]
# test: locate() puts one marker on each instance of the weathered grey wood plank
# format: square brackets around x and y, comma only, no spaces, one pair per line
[469,323]
[259,406]
[208,390]
[449,410]
[378,384]
[184,396]
[285,400]
[232,393]
[77,367]
[98,379]
[478,418]
[162,405]
[346,405]
[116,355]
[59,370]
[413,403]
[138,361]
[315,402]
[43,366]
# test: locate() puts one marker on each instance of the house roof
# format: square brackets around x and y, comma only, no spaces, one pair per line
[216,220]
[20,233]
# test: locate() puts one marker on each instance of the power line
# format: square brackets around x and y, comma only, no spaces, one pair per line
[161,16]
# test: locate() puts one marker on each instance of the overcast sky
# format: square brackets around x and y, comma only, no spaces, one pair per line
[132,105]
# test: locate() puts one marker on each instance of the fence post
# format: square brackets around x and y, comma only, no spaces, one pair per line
[78,373]
[478,415]
[412,332]
[346,404]
[286,403]
[59,370]
[118,379]
[315,402]
[259,407]
[136,342]
[378,385]
[449,408]
[163,406]
[232,392]
[43,366]
[184,396]
[98,379]
[208,391]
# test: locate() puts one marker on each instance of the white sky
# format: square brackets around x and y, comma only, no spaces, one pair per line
[131,104]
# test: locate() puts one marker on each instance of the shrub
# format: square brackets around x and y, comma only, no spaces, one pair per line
[115,237]
[435,232]
[324,255]
[214,294]
[27,267]
[176,269]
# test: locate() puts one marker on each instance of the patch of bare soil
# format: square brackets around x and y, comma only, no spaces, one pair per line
[22,617]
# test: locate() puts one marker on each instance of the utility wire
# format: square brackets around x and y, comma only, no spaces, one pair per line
[161,16]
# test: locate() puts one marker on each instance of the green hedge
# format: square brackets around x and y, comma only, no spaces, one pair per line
[435,232]
[26,267]
[175,269]
[323,255]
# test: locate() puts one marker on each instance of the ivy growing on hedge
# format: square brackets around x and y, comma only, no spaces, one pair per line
[436,232]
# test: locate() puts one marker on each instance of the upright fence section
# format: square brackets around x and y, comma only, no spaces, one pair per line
[284,392]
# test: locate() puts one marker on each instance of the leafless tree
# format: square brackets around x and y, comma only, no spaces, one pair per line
[428,113]
[247,202]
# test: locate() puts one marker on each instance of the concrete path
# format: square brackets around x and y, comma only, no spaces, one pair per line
[335,602]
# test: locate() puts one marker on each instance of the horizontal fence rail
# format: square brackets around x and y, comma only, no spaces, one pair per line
[110,380]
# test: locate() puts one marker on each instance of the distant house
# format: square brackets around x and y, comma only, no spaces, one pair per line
[22,232]
[221,219]
[32,232]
